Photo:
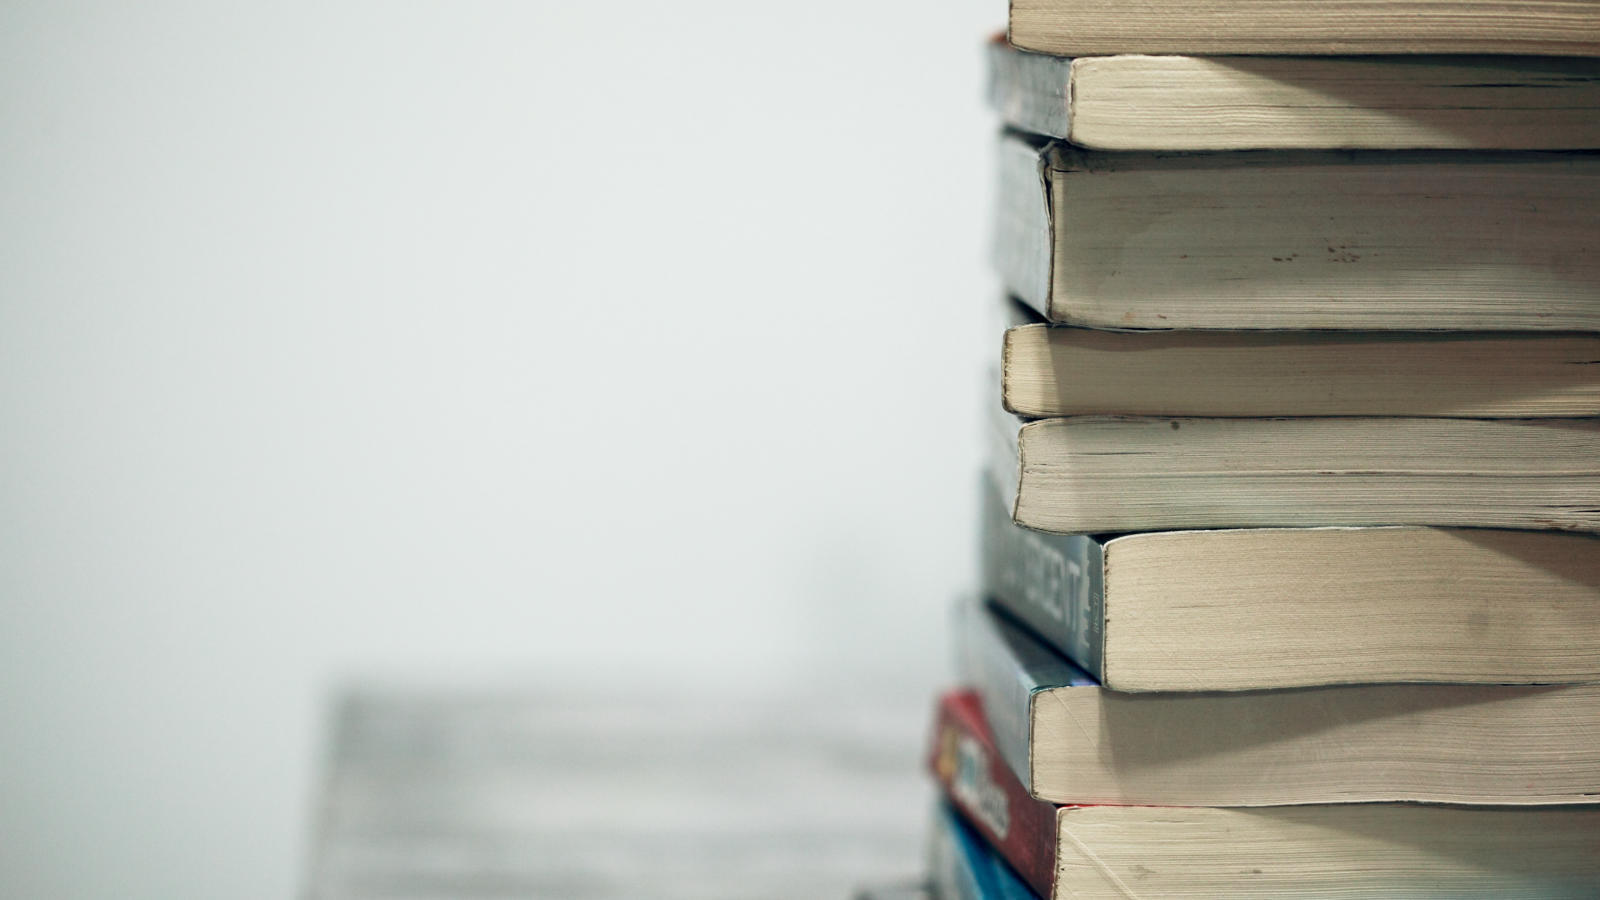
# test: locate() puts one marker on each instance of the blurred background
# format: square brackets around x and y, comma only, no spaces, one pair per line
[623,342]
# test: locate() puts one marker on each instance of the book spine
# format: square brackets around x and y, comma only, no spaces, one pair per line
[950,870]
[1004,466]
[978,783]
[1052,583]
[984,664]
[1031,91]
[1006,666]
[960,867]
[1023,245]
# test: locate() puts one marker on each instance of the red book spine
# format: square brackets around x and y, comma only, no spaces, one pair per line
[988,795]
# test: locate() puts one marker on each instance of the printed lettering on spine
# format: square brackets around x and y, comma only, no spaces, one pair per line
[1053,583]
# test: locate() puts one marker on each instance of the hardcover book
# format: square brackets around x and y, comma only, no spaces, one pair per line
[1301,240]
[1070,740]
[1139,102]
[1348,850]
[1254,609]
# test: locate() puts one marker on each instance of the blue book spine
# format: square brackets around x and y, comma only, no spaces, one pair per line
[962,867]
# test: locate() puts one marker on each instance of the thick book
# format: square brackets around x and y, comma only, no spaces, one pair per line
[1341,850]
[1105,27]
[1139,102]
[1375,240]
[1254,609]
[1094,474]
[1070,740]
[962,867]
[1063,370]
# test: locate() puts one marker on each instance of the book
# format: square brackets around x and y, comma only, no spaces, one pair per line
[1063,370]
[1254,609]
[962,867]
[1370,240]
[1093,474]
[1105,27]
[1070,740]
[977,783]
[1139,102]
[1340,850]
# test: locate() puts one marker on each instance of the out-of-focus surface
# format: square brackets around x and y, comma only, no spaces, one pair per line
[320,327]
[521,795]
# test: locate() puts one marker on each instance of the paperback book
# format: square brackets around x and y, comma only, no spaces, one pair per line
[1365,850]
[1070,740]
[1256,609]
[1137,101]
[1300,240]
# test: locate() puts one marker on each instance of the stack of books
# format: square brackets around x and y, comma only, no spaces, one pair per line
[1291,580]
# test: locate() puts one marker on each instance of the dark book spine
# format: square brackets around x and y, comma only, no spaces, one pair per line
[1052,583]
[962,867]
[979,784]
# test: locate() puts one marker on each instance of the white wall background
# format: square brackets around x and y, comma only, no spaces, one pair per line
[469,337]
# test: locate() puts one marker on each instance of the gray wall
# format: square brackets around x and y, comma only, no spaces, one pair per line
[440,340]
